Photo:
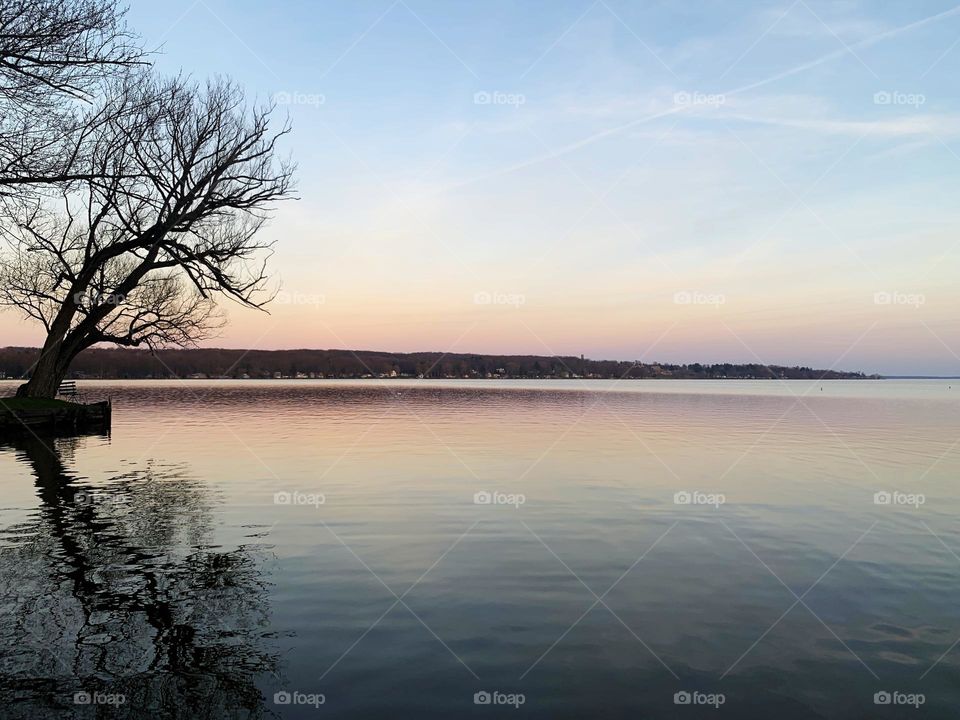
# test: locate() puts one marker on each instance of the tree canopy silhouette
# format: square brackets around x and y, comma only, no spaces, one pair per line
[177,179]
[54,57]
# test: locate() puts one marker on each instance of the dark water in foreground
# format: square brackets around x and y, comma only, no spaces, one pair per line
[242,549]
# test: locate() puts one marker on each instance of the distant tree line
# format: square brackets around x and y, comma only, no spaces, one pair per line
[119,363]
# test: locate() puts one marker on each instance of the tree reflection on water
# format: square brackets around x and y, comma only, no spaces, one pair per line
[116,591]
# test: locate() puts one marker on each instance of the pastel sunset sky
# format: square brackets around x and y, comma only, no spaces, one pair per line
[677,181]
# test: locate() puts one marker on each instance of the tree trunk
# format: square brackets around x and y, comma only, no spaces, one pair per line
[47,374]
[55,357]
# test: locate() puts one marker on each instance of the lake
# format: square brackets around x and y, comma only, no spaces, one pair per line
[543,549]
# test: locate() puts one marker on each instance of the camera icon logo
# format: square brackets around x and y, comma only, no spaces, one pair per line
[882,698]
[481,98]
[882,498]
[481,698]
[282,698]
[82,698]
[882,98]
[682,698]
[482,498]
[682,498]
[282,498]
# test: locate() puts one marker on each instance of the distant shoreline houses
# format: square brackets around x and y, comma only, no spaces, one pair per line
[205,364]
[403,376]
[393,374]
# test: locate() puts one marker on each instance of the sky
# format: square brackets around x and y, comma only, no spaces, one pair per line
[695,181]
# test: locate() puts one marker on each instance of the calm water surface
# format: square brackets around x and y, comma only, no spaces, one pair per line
[235,545]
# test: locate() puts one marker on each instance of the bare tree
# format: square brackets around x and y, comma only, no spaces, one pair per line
[174,182]
[53,55]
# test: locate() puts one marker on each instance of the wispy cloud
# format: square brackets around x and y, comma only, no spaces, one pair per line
[893,127]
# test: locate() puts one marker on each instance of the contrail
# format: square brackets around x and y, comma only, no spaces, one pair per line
[590,140]
[867,42]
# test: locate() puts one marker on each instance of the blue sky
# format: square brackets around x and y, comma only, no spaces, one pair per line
[681,181]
